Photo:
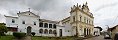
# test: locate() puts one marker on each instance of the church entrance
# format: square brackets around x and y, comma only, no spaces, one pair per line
[60,32]
[29,30]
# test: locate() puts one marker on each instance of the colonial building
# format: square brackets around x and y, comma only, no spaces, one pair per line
[112,31]
[81,20]
[79,23]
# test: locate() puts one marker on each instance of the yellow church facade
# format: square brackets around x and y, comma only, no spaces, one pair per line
[81,20]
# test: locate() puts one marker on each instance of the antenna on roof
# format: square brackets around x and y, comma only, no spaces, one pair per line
[29,9]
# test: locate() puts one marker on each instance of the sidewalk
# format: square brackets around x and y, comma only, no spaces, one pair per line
[97,38]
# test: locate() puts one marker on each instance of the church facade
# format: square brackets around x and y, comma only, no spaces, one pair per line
[81,20]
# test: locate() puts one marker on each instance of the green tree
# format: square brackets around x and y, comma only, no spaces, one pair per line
[3,28]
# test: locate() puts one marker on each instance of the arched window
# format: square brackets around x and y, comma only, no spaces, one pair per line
[54,32]
[23,22]
[41,24]
[41,31]
[73,18]
[50,25]
[13,21]
[80,18]
[87,31]
[50,31]
[46,25]
[34,23]
[45,31]
[54,26]
[84,31]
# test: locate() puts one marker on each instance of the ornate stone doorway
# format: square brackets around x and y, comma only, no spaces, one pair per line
[29,30]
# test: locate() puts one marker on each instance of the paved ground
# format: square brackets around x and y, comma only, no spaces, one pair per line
[97,38]
[27,38]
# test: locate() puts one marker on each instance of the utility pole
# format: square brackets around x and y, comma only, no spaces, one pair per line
[108,31]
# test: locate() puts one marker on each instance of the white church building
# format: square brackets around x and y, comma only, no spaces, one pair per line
[29,22]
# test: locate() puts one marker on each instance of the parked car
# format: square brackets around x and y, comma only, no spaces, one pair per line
[107,36]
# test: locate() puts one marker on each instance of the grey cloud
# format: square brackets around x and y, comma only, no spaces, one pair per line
[104,22]
[2,19]
[13,13]
[50,7]
[108,22]
[107,5]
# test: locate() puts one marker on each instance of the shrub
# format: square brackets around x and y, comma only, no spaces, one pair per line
[2,34]
[19,34]
[33,33]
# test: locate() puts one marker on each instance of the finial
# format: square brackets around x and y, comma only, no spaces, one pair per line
[77,4]
[71,7]
[19,11]
[74,6]
[83,5]
[86,3]
[29,9]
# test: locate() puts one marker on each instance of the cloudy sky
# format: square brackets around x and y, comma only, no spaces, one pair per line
[105,11]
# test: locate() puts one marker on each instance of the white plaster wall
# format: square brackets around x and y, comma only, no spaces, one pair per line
[58,31]
[9,22]
[68,30]
[65,31]
[98,31]
[9,33]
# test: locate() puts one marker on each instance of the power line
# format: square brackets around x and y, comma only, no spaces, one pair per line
[115,20]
